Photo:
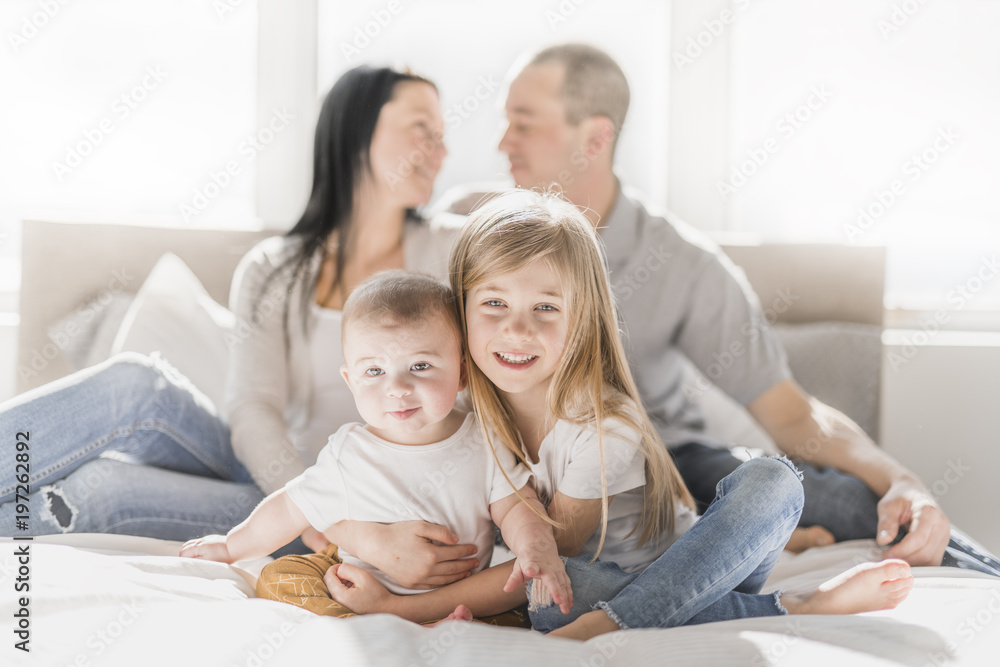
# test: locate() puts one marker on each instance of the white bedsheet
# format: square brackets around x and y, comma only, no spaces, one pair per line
[112,600]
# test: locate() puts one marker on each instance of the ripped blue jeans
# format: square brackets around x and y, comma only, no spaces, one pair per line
[128,446]
[714,572]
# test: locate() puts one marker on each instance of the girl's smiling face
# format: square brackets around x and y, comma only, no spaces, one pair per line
[517,326]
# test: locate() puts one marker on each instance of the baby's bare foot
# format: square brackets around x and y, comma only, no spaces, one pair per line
[807,538]
[461,613]
[866,587]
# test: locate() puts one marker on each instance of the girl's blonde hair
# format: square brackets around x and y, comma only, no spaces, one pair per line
[592,381]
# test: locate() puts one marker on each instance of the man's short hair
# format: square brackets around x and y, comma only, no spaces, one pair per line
[397,298]
[594,84]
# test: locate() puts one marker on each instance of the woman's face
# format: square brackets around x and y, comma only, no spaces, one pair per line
[407,147]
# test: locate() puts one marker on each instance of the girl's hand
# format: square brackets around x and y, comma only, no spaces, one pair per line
[357,589]
[548,571]
[210,547]
[417,554]
[314,539]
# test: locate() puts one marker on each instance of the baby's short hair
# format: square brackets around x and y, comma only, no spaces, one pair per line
[397,298]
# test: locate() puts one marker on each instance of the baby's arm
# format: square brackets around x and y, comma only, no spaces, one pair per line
[533,543]
[273,524]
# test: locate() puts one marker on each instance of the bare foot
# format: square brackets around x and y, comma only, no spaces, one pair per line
[461,613]
[589,625]
[866,587]
[807,538]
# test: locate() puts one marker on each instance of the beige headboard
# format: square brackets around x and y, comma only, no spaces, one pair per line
[828,282]
[65,264]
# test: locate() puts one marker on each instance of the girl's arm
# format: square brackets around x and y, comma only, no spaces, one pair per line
[533,544]
[273,524]
[482,593]
[578,519]
[405,550]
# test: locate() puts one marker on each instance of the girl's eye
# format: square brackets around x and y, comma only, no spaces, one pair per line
[422,366]
[373,371]
[493,303]
[547,308]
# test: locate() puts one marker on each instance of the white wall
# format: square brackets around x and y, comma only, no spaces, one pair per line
[940,418]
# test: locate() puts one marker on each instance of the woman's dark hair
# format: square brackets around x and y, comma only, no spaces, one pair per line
[341,157]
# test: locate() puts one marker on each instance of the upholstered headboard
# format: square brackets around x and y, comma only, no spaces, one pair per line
[67,264]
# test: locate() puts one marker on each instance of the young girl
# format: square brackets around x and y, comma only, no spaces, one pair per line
[550,381]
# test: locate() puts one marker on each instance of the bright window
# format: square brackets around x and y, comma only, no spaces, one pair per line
[873,123]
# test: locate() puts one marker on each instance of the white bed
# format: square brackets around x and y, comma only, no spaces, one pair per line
[112,600]
[98,599]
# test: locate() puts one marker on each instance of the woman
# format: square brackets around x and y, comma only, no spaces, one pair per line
[173,469]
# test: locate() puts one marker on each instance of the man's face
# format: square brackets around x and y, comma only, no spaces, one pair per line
[543,148]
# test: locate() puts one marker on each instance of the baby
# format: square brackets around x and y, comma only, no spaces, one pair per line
[418,457]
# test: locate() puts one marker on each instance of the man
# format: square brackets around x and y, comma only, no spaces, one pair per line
[565,108]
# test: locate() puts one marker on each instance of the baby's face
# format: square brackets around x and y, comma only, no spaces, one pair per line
[405,379]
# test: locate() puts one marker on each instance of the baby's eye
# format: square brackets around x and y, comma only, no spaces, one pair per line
[374,371]
[422,366]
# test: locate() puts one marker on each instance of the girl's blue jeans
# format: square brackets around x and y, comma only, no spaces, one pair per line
[714,572]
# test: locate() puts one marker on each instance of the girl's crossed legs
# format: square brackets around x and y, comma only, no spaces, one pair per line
[715,571]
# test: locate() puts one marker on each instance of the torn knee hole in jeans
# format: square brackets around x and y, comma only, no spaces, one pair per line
[539,596]
[58,509]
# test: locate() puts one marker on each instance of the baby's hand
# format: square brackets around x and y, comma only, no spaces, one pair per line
[357,589]
[547,569]
[210,547]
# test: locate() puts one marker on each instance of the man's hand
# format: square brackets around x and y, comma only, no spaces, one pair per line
[357,589]
[910,503]
[210,547]
[407,552]
[548,570]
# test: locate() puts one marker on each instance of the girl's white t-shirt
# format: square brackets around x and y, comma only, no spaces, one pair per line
[569,462]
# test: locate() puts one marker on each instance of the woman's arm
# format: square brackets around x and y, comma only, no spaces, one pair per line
[258,369]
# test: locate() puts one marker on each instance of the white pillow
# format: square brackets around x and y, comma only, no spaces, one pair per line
[173,314]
